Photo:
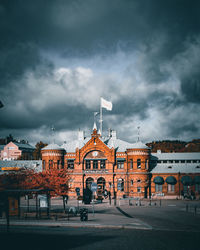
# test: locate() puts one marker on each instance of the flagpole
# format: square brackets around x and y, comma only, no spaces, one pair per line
[101,119]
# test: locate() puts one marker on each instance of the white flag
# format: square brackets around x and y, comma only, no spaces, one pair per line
[106,104]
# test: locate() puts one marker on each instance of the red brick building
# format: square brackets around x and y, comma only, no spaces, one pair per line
[127,169]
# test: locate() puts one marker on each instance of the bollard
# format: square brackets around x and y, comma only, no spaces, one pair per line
[195,210]
[140,203]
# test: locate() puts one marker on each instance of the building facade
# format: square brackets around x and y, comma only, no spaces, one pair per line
[124,169]
[15,151]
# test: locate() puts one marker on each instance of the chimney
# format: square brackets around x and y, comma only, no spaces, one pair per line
[114,134]
[81,135]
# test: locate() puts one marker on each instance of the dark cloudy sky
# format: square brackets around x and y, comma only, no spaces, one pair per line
[58,57]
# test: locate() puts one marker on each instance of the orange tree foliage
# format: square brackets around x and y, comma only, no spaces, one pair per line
[56,179]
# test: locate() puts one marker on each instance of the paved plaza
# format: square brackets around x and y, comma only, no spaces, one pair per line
[170,224]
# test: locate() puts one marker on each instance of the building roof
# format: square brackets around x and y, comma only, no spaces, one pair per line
[23,145]
[139,145]
[2,147]
[177,156]
[53,146]
[161,168]
[31,164]
[72,145]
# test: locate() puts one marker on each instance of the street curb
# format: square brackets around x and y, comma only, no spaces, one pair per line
[75,225]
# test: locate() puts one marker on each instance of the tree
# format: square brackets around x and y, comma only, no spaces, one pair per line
[37,152]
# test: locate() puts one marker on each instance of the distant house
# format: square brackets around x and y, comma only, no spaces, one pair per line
[14,151]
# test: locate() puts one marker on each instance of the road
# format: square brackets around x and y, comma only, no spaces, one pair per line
[45,238]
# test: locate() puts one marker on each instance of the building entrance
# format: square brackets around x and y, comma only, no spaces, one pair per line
[101,183]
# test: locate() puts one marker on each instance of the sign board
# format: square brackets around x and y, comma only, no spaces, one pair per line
[94,187]
[43,201]
[119,186]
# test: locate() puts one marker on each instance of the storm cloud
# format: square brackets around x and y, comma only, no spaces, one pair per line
[57,58]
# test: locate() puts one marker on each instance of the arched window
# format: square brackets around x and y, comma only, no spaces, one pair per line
[131,182]
[120,184]
[138,163]
[89,182]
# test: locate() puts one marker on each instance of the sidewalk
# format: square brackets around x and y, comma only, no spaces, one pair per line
[99,219]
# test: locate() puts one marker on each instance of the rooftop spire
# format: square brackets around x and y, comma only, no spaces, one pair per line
[94,126]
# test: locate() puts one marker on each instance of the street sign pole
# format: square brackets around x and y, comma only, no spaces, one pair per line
[93,189]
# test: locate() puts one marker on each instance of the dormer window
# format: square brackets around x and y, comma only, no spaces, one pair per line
[169,166]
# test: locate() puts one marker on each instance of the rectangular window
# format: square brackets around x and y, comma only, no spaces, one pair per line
[176,161]
[188,161]
[158,188]
[120,164]
[159,161]
[165,161]
[58,164]
[43,165]
[131,164]
[95,164]
[131,182]
[50,164]
[170,188]
[87,164]
[70,164]
[138,163]
[146,164]
[139,189]
[182,161]
[197,187]
[103,164]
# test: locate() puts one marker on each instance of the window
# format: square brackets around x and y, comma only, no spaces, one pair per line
[87,164]
[120,184]
[197,188]
[170,188]
[176,161]
[159,161]
[58,163]
[50,164]
[103,164]
[70,164]
[138,163]
[165,161]
[95,164]
[170,161]
[120,164]
[139,189]
[131,182]
[188,161]
[146,164]
[131,164]
[182,161]
[43,165]
[158,188]
[138,181]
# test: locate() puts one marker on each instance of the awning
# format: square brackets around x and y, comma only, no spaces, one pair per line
[197,179]
[187,180]
[171,180]
[158,180]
